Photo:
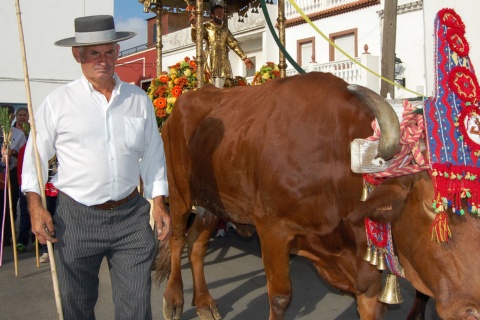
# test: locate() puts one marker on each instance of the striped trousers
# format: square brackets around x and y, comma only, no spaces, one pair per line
[86,236]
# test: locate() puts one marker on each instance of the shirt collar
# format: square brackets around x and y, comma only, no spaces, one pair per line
[88,86]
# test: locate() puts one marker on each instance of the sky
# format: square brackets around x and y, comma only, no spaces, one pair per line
[129,16]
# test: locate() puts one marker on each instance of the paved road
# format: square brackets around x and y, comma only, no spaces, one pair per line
[236,279]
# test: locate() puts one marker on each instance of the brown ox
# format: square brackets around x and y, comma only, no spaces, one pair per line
[277,157]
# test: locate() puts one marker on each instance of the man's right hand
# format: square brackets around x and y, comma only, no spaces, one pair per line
[42,222]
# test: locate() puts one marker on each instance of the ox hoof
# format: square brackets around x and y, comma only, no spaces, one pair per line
[171,312]
[207,314]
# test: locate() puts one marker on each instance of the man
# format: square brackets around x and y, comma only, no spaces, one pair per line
[17,140]
[218,38]
[104,134]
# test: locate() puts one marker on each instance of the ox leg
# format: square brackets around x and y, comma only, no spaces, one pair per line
[198,238]
[368,305]
[276,258]
[418,308]
[173,297]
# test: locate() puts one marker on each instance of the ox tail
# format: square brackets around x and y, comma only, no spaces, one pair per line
[162,264]
[389,144]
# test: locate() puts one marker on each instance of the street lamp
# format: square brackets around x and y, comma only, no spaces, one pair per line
[399,69]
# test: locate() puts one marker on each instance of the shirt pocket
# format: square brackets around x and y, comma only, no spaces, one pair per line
[135,133]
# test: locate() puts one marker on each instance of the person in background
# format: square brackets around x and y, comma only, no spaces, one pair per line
[105,136]
[21,121]
[17,140]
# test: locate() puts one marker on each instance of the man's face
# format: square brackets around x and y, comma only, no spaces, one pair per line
[217,15]
[98,62]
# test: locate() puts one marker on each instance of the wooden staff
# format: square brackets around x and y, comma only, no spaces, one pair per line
[8,185]
[33,136]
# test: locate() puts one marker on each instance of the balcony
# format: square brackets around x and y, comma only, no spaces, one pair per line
[348,70]
[313,6]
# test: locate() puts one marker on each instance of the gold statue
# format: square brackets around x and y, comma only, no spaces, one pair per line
[218,38]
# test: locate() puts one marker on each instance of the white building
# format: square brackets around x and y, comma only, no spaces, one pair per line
[351,24]
[49,66]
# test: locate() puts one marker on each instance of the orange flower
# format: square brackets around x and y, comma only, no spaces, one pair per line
[160,103]
[187,59]
[176,91]
[276,73]
[193,64]
[163,78]
[160,113]
[160,91]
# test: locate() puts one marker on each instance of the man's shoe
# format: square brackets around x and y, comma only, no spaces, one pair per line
[21,247]
[44,258]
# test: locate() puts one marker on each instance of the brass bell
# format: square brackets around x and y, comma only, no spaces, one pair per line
[382,263]
[391,291]
[374,260]
[364,192]
[368,254]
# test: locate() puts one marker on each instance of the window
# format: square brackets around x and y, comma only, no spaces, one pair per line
[347,41]
[305,51]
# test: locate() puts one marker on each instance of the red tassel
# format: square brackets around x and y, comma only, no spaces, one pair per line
[440,229]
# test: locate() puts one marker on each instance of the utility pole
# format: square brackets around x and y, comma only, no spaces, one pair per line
[388,47]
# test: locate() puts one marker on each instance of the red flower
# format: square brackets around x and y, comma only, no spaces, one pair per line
[160,103]
[176,91]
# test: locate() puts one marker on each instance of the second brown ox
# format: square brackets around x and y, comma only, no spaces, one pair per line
[277,157]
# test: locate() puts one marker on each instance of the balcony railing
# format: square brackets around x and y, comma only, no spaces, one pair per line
[311,6]
[348,70]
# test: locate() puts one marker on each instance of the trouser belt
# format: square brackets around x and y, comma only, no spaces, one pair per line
[111,204]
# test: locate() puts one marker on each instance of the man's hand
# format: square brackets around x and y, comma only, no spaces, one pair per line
[249,63]
[42,222]
[162,218]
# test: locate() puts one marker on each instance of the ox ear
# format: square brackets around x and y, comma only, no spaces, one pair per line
[385,202]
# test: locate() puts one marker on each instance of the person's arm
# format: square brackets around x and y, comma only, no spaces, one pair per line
[234,45]
[153,171]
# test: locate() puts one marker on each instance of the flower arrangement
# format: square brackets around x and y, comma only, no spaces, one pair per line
[164,90]
[266,73]
[181,77]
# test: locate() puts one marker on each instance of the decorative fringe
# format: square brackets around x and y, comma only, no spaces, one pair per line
[452,185]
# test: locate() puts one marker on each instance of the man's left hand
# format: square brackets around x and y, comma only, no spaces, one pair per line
[162,219]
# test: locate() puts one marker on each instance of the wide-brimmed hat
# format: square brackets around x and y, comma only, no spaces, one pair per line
[93,30]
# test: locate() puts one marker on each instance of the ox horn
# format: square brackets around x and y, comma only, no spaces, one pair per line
[389,144]
[391,291]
